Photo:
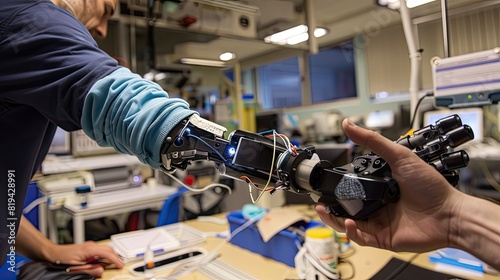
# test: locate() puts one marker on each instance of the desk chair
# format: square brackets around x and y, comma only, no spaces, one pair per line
[170,211]
[185,205]
[206,203]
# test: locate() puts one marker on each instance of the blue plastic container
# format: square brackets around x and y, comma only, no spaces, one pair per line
[32,193]
[282,247]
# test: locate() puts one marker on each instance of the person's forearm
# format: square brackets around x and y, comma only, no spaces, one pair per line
[132,115]
[31,243]
[477,230]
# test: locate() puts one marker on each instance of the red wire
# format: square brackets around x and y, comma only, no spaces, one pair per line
[253,185]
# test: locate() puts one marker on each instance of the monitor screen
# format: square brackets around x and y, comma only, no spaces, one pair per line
[76,144]
[472,117]
[467,80]
[82,145]
[61,144]
[380,119]
[266,122]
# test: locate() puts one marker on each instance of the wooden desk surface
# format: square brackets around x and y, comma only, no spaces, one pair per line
[366,260]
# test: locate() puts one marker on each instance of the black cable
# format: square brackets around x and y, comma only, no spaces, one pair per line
[208,145]
[401,268]
[352,268]
[428,94]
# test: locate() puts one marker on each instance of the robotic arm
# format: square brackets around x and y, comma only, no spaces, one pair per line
[354,190]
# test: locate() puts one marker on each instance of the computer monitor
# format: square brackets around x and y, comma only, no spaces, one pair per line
[469,116]
[380,119]
[468,80]
[61,143]
[82,146]
[268,121]
[76,144]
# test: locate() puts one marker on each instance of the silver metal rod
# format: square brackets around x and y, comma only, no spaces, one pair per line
[311,25]
[444,20]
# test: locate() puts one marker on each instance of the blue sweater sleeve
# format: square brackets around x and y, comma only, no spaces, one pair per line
[131,114]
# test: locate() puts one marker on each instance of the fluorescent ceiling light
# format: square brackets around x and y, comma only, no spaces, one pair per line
[154,75]
[319,32]
[285,34]
[304,36]
[297,39]
[160,76]
[416,3]
[395,4]
[149,76]
[203,62]
[227,56]
[294,35]
[391,4]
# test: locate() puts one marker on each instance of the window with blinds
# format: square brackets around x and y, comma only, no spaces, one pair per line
[387,53]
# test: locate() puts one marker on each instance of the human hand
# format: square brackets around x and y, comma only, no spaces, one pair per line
[419,221]
[87,257]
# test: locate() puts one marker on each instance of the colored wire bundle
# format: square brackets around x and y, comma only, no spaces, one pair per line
[291,150]
[266,187]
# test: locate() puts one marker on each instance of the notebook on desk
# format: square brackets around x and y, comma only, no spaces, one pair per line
[131,246]
[135,244]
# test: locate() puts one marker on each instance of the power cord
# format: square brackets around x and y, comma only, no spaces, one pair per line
[401,268]
[212,185]
[34,204]
[342,260]
[428,94]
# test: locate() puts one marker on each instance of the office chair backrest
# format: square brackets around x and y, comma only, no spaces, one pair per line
[169,213]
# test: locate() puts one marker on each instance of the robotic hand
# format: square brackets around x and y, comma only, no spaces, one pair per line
[354,190]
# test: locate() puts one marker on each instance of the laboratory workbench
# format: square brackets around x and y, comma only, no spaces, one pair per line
[365,261]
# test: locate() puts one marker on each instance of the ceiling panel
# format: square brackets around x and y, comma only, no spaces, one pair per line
[343,18]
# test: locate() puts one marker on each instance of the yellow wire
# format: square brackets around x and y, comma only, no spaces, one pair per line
[270,173]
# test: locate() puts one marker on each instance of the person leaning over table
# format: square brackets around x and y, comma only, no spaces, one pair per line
[53,74]
[431,214]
